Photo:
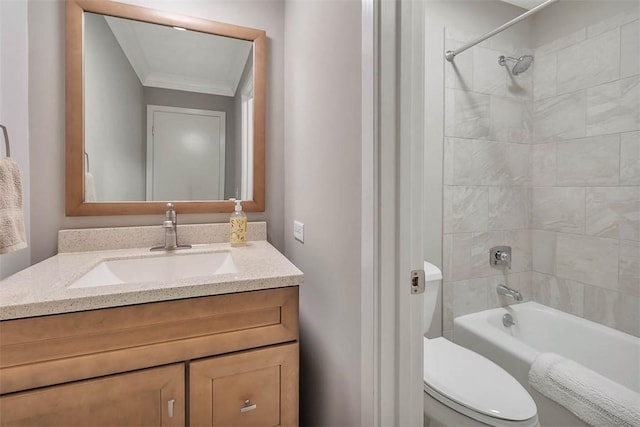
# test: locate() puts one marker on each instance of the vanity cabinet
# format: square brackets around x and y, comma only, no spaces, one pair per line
[151,397]
[193,361]
[256,388]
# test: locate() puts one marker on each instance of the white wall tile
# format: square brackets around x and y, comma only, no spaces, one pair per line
[508,208]
[629,278]
[630,49]
[562,42]
[589,63]
[630,158]
[560,117]
[586,259]
[510,120]
[543,164]
[469,256]
[447,167]
[613,212]
[588,161]
[544,76]
[518,162]
[613,309]
[488,76]
[458,74]
[558,209]
[469,209]
[447,257]
[561,294]
[543,248]
[466,114]
[614,107]
[479,162]
[614,22]
[469,296]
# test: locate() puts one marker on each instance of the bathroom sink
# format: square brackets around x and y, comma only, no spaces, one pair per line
[168,266]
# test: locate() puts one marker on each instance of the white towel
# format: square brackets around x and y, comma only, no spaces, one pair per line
[593,398]
[12,234]
[89,188]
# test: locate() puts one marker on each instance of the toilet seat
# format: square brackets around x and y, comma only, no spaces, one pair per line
[473,385]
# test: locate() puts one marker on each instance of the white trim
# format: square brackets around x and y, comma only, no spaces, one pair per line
[370,282]
[388,212]
[410,228]
[391,214]
[151,109]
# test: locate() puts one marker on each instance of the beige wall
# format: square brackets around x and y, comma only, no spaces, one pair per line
[14,111]
[46,116]
[323,190]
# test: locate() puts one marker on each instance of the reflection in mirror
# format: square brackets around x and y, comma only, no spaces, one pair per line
[168,113]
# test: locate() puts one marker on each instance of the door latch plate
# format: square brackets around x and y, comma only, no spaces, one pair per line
[417,281]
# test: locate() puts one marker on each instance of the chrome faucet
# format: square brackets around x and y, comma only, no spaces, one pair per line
[170,226]
[508,292]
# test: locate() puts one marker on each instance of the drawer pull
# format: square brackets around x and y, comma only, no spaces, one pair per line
[170,407]
[248,407]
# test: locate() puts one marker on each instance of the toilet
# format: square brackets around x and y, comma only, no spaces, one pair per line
[463,388]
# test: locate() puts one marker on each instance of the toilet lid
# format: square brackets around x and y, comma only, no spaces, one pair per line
[474,381]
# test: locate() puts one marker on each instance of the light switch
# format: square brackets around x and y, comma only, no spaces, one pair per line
[298,231]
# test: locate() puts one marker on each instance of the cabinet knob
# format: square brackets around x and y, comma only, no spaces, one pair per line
[248,406]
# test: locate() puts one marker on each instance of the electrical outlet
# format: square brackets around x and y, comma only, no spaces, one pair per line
[298,231]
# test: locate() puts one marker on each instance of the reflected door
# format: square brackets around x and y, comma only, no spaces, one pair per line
[185,154]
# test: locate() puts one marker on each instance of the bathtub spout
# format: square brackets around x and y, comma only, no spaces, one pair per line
[508,292]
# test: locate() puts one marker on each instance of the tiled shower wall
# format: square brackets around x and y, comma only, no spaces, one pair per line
[487,134]
[585,173]
[547,162]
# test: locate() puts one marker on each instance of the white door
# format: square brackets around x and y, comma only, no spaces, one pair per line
[185,154]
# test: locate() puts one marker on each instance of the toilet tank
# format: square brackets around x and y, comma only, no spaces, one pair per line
[433,279]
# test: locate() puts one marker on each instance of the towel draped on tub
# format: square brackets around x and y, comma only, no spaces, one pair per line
[593,398]
[12,234]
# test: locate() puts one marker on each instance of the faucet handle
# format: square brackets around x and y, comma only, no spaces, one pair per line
[170,214]
[500,256]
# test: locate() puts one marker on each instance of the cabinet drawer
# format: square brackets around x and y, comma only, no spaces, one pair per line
[42,351]
[153,397]
[253,388]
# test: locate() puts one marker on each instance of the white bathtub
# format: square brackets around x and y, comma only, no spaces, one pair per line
[539,328]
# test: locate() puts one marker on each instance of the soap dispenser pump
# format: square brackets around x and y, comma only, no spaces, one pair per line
[238,222]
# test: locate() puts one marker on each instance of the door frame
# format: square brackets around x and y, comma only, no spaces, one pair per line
[151,109]
[392,206]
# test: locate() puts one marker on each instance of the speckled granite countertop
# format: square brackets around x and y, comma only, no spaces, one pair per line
[42,289]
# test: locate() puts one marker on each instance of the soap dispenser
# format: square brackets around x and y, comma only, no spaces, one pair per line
[238,222]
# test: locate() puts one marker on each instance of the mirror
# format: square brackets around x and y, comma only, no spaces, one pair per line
[161,108]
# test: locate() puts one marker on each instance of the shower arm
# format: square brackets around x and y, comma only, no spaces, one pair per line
[450,54]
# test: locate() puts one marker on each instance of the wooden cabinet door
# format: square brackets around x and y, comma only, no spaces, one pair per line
[252,388]
[152,397]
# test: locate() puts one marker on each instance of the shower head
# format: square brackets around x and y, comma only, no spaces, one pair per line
[521,64]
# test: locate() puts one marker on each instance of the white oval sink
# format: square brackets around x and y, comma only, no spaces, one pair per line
[169,266]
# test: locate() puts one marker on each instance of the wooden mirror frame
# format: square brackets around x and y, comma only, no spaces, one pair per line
[74,174]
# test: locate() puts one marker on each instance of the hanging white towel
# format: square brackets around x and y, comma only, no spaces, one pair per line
[12,234]
[593,398]
[89,188]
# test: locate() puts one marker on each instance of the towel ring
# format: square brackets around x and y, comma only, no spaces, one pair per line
[6,140]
